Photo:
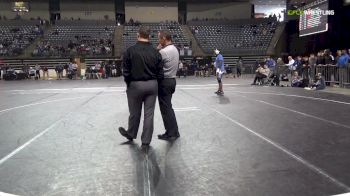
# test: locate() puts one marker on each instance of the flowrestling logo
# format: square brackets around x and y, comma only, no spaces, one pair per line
[311,12]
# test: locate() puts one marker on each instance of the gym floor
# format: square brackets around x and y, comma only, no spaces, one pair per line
[61,138]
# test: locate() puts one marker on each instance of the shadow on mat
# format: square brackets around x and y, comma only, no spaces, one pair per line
[224,100]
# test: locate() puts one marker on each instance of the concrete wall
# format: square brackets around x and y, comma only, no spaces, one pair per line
[93,10]
[219,10]
[151,12]
[37,8]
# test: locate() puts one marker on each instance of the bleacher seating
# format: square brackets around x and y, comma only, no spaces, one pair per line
[77,38]
[16,36]
[235,39]
[179,39]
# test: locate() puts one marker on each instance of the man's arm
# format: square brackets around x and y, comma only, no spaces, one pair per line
[160,66]
[290,63]
[126,67]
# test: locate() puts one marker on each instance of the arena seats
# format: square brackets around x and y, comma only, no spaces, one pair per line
[67,38]
[179,39]
[16,36]
[235,39]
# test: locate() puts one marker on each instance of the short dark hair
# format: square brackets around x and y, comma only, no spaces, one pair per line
[144,32]
[165,34]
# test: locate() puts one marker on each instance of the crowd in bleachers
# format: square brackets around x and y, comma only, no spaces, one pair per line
[68,40]
[15,38]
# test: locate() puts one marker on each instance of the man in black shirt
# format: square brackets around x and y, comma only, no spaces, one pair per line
[142,68]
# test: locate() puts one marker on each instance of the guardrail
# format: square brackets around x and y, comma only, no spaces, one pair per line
[332,74]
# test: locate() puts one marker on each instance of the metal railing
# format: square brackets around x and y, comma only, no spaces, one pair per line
[332,74]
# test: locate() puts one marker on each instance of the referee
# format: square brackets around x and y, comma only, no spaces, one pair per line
[166,86]
[141,69]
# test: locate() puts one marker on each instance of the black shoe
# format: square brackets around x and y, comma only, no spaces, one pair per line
[124,133]
[167,137]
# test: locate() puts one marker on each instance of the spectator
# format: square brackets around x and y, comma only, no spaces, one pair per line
[196,68]
[343,64]
[299,65]
[239,67]
[59,71]
[328,62]
[296,80]
[31,72]
[261,73]
[312,66]
[108,70]
[75,70]
[271,64]
[320,59]
[37,70]
[45,72]
[305,67]
[292,66]
[114,70]
[320,83]
[2,70]
[279,64]
[180,70]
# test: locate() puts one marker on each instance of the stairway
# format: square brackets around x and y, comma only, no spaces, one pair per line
[197,50]
[271,50]
[118,41]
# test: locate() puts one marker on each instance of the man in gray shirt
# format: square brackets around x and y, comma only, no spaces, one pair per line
[166,86]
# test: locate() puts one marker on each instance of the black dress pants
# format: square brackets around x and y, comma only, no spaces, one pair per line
[166,89]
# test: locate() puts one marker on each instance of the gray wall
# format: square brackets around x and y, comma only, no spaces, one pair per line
[219,10]
[93,10]
[151,12]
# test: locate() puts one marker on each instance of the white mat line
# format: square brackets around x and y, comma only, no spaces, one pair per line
[287,95]
[39,103]
[17,150]
[52,101]
[289,153]
[6,194]
[107,88]
[344,194]
[186,109]
[304,114]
